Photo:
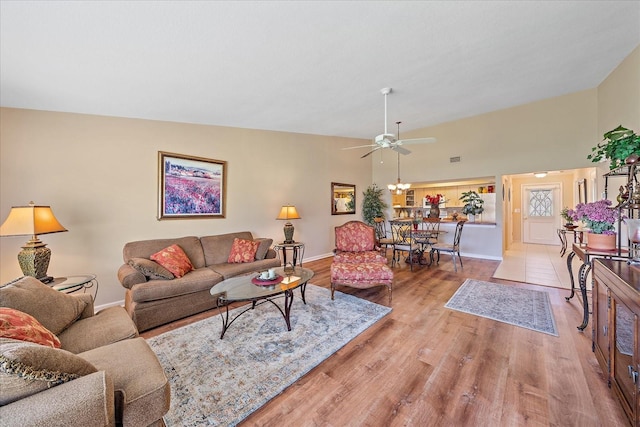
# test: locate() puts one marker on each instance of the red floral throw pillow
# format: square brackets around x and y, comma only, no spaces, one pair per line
[243,250]
[173,259]
[24,327]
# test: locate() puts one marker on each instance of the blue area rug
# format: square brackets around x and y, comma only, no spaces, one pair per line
[218,382]
[509,304]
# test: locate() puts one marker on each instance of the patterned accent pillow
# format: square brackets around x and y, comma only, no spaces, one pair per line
[151,269]
[173,259]
[27,368]
[21,326]
[243,250]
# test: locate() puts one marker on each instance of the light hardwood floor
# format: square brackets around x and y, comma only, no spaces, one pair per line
[425,365]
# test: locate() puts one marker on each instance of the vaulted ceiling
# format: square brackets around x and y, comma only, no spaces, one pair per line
[308,66]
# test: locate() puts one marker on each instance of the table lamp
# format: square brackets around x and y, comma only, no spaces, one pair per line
[286,213]
[32,220]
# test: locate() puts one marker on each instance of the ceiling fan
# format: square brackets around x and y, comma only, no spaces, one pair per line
[388,140]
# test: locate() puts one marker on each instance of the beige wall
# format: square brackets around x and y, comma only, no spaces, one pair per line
[99,174]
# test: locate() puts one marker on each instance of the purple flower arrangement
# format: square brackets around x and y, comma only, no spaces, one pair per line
[598,216]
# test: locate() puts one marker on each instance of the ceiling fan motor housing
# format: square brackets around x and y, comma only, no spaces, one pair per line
[385,139]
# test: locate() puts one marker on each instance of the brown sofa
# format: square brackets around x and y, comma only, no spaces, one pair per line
[103,374]
[155,301]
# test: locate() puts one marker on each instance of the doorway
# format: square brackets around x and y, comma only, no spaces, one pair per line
[541,213]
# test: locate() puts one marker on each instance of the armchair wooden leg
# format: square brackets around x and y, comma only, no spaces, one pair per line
[333,289]
[389,291]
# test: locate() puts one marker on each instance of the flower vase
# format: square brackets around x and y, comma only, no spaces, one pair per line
[601,242]
[434,212]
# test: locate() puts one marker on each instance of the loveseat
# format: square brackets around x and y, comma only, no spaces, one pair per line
[63,365]
[155,296]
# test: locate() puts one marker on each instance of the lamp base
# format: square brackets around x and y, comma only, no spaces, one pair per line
[288,233]
[34,261]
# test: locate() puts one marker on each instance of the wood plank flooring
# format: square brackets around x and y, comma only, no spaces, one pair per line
[425,365]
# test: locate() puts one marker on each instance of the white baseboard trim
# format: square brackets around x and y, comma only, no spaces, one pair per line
[110,304]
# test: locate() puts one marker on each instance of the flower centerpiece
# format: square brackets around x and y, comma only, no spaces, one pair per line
[434,201]
[599,218]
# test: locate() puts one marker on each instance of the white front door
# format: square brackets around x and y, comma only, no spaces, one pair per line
[541,213]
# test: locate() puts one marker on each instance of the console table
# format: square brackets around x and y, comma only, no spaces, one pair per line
[587,256]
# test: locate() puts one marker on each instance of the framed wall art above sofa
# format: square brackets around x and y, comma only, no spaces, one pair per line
[190,187]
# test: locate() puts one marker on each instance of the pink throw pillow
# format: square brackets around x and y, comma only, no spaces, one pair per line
[24,327]
[243,250]
[173,259]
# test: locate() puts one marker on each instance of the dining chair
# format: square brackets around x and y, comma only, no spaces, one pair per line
[404,241]
[453,249]
[430,230]
[382,237]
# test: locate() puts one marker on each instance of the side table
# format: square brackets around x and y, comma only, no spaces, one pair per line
[71,284]
[578,234]
[297,252]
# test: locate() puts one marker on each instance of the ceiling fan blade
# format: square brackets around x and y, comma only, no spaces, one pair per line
[360,146]
[416,141]
[372,151]
[401,150]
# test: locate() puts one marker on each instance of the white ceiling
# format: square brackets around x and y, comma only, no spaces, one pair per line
[311,67]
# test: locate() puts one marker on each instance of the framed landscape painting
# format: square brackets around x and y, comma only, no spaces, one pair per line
[190,187]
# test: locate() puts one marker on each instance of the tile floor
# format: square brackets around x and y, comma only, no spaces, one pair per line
[536,264]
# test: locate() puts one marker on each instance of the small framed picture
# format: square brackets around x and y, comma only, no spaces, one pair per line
[190,187]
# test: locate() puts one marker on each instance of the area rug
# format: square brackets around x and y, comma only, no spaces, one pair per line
[220,382]
[509,304]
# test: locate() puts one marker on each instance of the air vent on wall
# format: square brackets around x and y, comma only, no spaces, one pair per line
[454,159]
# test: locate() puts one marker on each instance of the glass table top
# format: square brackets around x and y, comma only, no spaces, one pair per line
[241,288]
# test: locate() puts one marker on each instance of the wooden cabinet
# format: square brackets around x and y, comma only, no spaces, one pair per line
[616,326]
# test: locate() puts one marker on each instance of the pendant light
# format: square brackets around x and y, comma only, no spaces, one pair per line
[398,187]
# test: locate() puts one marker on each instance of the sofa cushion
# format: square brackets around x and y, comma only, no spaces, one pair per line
[55,310]
[151,269]
[265,244]
[228,270]
[28,368]
[109,325]
[243,250]
[173,259]
[194,281]
[21,326]
[145,248]
[218,247]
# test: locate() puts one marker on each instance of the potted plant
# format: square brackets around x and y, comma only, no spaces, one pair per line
[599,218]
[372,204]
[617,145]
[472,203]
[564,213]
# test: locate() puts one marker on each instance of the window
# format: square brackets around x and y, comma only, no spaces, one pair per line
[541,203]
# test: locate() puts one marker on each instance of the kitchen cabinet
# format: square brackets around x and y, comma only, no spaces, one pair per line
[616,325]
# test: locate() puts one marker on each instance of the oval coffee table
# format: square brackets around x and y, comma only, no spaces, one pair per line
[244,288]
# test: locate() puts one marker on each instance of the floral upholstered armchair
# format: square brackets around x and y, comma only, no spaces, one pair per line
[357,262]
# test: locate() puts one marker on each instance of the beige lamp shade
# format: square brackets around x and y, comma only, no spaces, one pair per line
[286,213]
[32,220]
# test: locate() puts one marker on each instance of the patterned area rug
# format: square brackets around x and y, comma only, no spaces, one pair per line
[220,382]
[517,306]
